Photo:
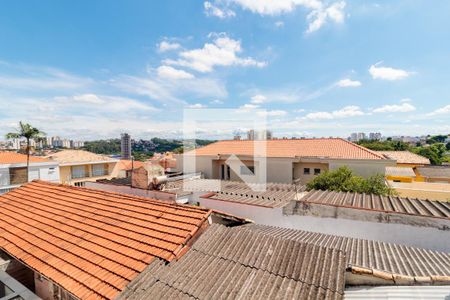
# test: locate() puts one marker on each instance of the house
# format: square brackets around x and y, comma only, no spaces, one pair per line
[406,158]
[78,166]
[13,170]
[437,174]
[283,161]
[400,174]
[264,262]
[66,242]
[414,222]
[124,167]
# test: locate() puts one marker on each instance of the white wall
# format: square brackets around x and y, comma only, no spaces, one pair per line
[423,237]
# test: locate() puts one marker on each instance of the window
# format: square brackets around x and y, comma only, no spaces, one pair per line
[306,171]
[79,184]
[316,171]
[78,172]
[99,170]
[17,175]
[248,170]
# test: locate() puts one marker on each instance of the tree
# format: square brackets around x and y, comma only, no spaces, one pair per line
[435,153]
[28,132]
[343,180]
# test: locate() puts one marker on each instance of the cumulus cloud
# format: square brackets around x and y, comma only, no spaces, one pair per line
[441,111]
[348,83]
[319,12]
[169,72]
[345,112]
[223,51]
[404,107]
[167,46]
[387,73]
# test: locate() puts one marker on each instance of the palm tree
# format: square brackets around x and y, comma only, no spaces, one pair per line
[28,132]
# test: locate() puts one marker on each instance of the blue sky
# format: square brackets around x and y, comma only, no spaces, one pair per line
[92,69]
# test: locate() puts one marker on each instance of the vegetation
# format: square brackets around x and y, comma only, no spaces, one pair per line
[142,149]
[29,133]
[343,180]
[434,149]
[111,146]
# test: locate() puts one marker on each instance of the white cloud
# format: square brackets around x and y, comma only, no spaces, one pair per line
[170,91]
[248,106]
[319,12]
[41,78]
[222,52]
[279,24]
[220,12]
[319,17]
[387,73]
[441,111]
[169,72]
[197,106]
[404,107]
[258,99]
[167,46]
[99,103]
[348,83]
[345,112]
[405,100]
[216,101]
[272,113]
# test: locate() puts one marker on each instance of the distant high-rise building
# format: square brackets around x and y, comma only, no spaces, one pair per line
[357,136]
[125,145]
[259,135]
[375,136]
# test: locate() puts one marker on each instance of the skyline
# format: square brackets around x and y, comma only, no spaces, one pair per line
[318,68]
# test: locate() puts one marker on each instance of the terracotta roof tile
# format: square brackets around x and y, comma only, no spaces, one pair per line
[92,243]
[328,147]
[405,157]
[17,158]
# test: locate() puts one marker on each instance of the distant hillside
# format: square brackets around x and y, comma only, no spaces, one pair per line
[140,147]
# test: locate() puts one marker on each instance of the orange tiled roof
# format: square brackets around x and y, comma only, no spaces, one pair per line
[125,164]
[92,243]
[405,157]
[326,147]
[17,158]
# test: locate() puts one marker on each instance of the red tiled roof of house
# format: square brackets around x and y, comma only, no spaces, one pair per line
[18,158]
[326,147]
[92,243]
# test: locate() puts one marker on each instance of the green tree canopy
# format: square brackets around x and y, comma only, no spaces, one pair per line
[343,180]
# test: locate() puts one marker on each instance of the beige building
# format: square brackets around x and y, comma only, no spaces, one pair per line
[283,161]
[78,166]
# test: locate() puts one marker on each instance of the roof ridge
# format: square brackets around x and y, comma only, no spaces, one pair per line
[363,148]
[127,196]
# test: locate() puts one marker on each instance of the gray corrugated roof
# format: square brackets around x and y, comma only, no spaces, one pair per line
[400,171]
[424,208]
[235,263]
[398,293]
[434,171]
[386,260]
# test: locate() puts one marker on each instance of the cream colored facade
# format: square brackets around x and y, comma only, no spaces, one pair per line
[281,170]
[79,166]
[72,174]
